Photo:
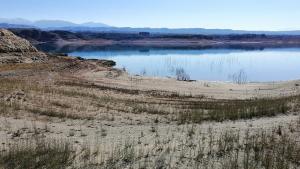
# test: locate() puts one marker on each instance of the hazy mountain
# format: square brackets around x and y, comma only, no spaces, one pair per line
[43,24]
[53,24]
[100,27]
[7,26]
[94,24]
[16,21]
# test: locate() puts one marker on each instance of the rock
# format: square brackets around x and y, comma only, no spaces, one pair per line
[16,134]
[14,49]
[101,62]
[80,58]
[108,63]
[16,96]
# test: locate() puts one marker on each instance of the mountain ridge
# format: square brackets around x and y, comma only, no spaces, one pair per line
[100,27]
[49,23]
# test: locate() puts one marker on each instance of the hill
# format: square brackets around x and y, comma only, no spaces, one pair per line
[47,24]
[14,49]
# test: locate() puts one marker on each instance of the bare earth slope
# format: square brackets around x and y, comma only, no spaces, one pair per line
[14,49]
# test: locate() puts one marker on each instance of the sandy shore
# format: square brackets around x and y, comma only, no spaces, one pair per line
[210,89]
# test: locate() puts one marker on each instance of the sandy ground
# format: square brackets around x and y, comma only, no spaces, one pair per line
[210,89]
[91,131]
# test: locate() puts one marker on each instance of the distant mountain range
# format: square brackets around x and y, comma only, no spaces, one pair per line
[48,24]
[100,27]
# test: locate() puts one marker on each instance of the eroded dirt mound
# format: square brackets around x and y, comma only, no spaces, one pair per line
[14,49]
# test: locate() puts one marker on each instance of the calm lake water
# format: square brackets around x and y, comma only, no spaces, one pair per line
[211,64]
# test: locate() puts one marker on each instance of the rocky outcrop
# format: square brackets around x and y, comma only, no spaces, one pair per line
[14,49]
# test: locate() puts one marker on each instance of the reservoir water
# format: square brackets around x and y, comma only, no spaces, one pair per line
[234,65]
[210,64]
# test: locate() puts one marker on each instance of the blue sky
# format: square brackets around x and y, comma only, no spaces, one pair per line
[234,14]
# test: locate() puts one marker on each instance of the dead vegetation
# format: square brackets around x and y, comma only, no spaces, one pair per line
[277,147]
[57,99]
[36,154]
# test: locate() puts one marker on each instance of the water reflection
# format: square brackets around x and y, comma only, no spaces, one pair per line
[234,65]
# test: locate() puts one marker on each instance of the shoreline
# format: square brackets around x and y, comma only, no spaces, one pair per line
[210,89]
[208,81]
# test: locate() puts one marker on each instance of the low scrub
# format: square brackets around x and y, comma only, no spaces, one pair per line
[235,109]
[37,154]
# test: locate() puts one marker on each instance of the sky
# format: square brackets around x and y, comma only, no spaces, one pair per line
[222,14]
